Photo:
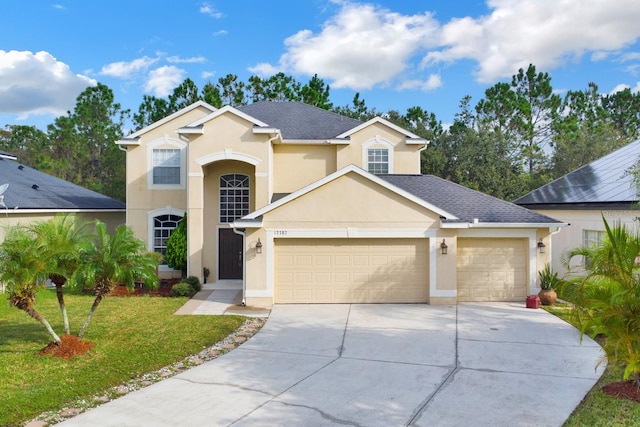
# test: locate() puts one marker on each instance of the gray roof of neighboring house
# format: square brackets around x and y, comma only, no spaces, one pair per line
[297,120]
[464,203]
[603,182]
[32,189]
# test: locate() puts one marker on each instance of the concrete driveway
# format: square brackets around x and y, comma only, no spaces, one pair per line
[480,364]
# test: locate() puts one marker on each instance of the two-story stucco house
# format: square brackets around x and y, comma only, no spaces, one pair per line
[306,206]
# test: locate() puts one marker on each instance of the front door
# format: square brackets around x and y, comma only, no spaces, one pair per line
[230,254]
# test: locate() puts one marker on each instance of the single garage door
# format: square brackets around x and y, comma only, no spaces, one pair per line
[351,270]
[492,269]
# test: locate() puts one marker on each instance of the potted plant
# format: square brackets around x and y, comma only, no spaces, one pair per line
[205,273]
[548,282]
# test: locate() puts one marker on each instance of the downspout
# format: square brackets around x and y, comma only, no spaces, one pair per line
[241,232]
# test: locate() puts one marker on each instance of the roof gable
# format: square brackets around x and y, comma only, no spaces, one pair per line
[384,122]
[224,110]
[191,107]
[332,177]
[605,180]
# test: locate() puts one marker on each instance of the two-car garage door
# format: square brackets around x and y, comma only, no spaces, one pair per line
[351,270]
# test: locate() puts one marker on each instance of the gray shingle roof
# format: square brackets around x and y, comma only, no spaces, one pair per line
[603,181]
[297,120]
[464,203]
[32,189]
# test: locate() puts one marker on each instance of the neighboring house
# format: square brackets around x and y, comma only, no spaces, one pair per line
[32,196]
[308,206]
[604,187]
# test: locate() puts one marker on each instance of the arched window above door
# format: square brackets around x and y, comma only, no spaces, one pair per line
[234,197]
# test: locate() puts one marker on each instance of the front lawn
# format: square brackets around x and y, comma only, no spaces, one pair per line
[132,336]
[598,409]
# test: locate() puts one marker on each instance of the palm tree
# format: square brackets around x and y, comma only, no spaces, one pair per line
[60,240]
[110,260]
[607,298]
[23,270]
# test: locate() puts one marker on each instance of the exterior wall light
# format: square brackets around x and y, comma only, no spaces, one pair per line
[542,248]
[443,247]
[259,246]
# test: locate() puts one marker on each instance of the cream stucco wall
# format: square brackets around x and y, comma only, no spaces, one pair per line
[295,166]
[111,219]
[571,237]
[352,201]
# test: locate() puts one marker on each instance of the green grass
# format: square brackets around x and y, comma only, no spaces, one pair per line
[132,336]
[597,408]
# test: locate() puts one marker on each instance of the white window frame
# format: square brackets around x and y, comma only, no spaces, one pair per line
[590,237]
[151,216]
[377,143]
[167,143]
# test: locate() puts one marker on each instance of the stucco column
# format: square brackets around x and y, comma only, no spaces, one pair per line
[195,221]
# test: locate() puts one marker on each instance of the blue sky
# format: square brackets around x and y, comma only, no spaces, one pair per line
[397,54]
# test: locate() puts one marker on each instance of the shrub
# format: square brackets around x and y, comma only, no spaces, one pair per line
[182,289]
[194,282]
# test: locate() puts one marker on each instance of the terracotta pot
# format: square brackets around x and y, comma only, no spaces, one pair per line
[547,296]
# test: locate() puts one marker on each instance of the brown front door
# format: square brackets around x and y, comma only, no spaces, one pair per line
[229,254]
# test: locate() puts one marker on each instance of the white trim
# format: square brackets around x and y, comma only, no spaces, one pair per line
[228,154]
[228,109]
[169,118]
[154,145]
[198,130]
[351,233]
[126,142]
[263,174]
[387,123]
[339,141]
[469,225]
[265,130]
[196,175]
[338,174]
[370,145]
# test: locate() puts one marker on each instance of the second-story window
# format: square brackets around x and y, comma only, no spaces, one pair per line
[166,166]
[234,197]
[378,160]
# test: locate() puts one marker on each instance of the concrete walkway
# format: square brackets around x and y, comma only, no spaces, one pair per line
[221,297]
[475,364]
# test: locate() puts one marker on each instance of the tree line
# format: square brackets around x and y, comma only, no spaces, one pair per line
[520,135]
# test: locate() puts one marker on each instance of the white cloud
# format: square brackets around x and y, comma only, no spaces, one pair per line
[264,69]
[433,82]
[207,74]
[125,70]
[163,80]
[221,33]
[192,60]
[547,33]
[207,9]
[360,47]
[33,84]
[619,88]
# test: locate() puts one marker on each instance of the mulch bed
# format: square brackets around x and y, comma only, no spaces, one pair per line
[164,290]
[623,390]
[70,346]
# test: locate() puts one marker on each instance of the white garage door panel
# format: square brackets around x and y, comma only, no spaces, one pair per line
[492,269]
[350,270]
